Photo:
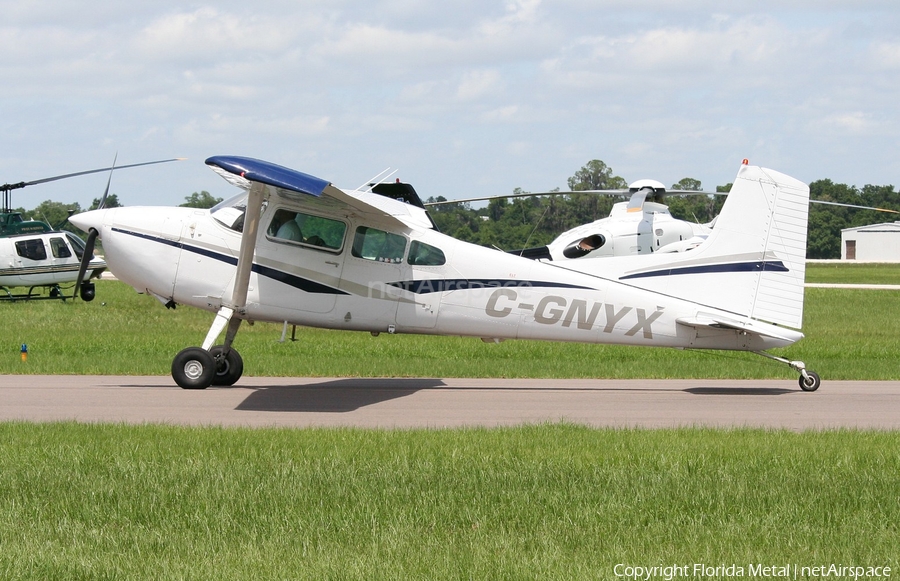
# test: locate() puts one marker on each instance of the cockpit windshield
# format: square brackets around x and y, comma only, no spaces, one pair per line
[230,212]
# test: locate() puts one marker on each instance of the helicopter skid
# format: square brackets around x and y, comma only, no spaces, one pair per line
[55,293]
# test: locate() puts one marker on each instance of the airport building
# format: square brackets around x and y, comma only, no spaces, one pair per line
[872,243]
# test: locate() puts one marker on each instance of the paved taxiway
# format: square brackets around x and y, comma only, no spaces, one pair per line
[279,401]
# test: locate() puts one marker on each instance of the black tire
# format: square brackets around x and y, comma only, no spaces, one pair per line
[812,383]
[193,368]
[229,368]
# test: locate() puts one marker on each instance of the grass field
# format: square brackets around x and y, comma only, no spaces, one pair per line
[853,273]
[540,502]
[850,334]
[533,502]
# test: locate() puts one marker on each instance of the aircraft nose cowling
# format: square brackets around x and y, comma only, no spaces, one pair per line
[140,243]
[91,219]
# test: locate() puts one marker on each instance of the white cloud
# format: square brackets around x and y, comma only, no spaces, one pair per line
[477,84]
[502,114]
[852,122]
[655,87]
[886,55]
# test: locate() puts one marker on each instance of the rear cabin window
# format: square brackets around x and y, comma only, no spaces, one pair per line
[307,230]
[32,249]
[421,254]
[378,245]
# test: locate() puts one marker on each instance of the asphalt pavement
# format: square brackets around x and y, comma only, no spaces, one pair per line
[439,403]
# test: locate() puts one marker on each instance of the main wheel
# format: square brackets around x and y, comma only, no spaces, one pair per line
[229,368]
[193,368]
[811,382]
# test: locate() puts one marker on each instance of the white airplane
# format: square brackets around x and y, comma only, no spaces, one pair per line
[35,255]
[295,248]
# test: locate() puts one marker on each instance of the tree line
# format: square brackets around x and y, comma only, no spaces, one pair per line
[56,214]
[511,224]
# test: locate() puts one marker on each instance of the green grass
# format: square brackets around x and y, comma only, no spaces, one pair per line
[540,502]
[850,334]
[850,273]
[533,502]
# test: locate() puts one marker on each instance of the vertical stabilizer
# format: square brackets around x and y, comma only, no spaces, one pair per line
[754,262]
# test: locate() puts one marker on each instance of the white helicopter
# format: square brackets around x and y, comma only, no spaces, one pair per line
[636,226]
[295,248]
[633,227]
[37,256]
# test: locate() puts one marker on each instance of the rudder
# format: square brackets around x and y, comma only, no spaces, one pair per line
[754,262]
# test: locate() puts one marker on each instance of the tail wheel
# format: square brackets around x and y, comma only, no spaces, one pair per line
[229,366]
[811,382]
[193,368]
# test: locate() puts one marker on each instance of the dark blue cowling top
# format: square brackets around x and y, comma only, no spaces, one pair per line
[269,173]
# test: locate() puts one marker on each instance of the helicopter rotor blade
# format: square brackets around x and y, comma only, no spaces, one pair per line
[7,187]
[619,192]
[528,195]
[108,181]
[854,206]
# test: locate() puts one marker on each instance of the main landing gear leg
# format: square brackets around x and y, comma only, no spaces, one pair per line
[809,380]
[200,367]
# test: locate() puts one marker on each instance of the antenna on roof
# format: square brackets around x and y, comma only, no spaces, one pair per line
[378,178]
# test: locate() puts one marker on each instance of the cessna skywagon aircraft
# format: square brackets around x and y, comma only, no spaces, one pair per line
[293,247]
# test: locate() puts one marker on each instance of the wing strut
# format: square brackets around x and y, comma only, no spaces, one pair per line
[225,316]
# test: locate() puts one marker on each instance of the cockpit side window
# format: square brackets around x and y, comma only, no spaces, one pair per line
[307,230]
[32,249]
[378,245]
[77,245]
[421,254]
[59,248]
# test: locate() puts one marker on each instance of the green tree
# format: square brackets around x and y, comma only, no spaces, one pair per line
[200,200]
[827,221]
[112,201]
[54,213]
[823,239]
[693,207]
[595,175]
[689,184]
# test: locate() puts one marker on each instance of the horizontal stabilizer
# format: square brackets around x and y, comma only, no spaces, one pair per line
[748,326]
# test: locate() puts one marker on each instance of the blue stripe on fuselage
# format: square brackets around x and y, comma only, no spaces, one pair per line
[755,266]
[443,285]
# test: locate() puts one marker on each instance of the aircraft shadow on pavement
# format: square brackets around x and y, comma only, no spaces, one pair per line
[334,396]
[739,390]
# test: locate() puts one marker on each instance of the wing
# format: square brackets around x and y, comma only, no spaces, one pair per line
[293,184]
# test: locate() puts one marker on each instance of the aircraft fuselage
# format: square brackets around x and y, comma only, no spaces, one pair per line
[186,256]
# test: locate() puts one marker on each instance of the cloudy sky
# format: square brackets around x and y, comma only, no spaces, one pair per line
[462,97]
